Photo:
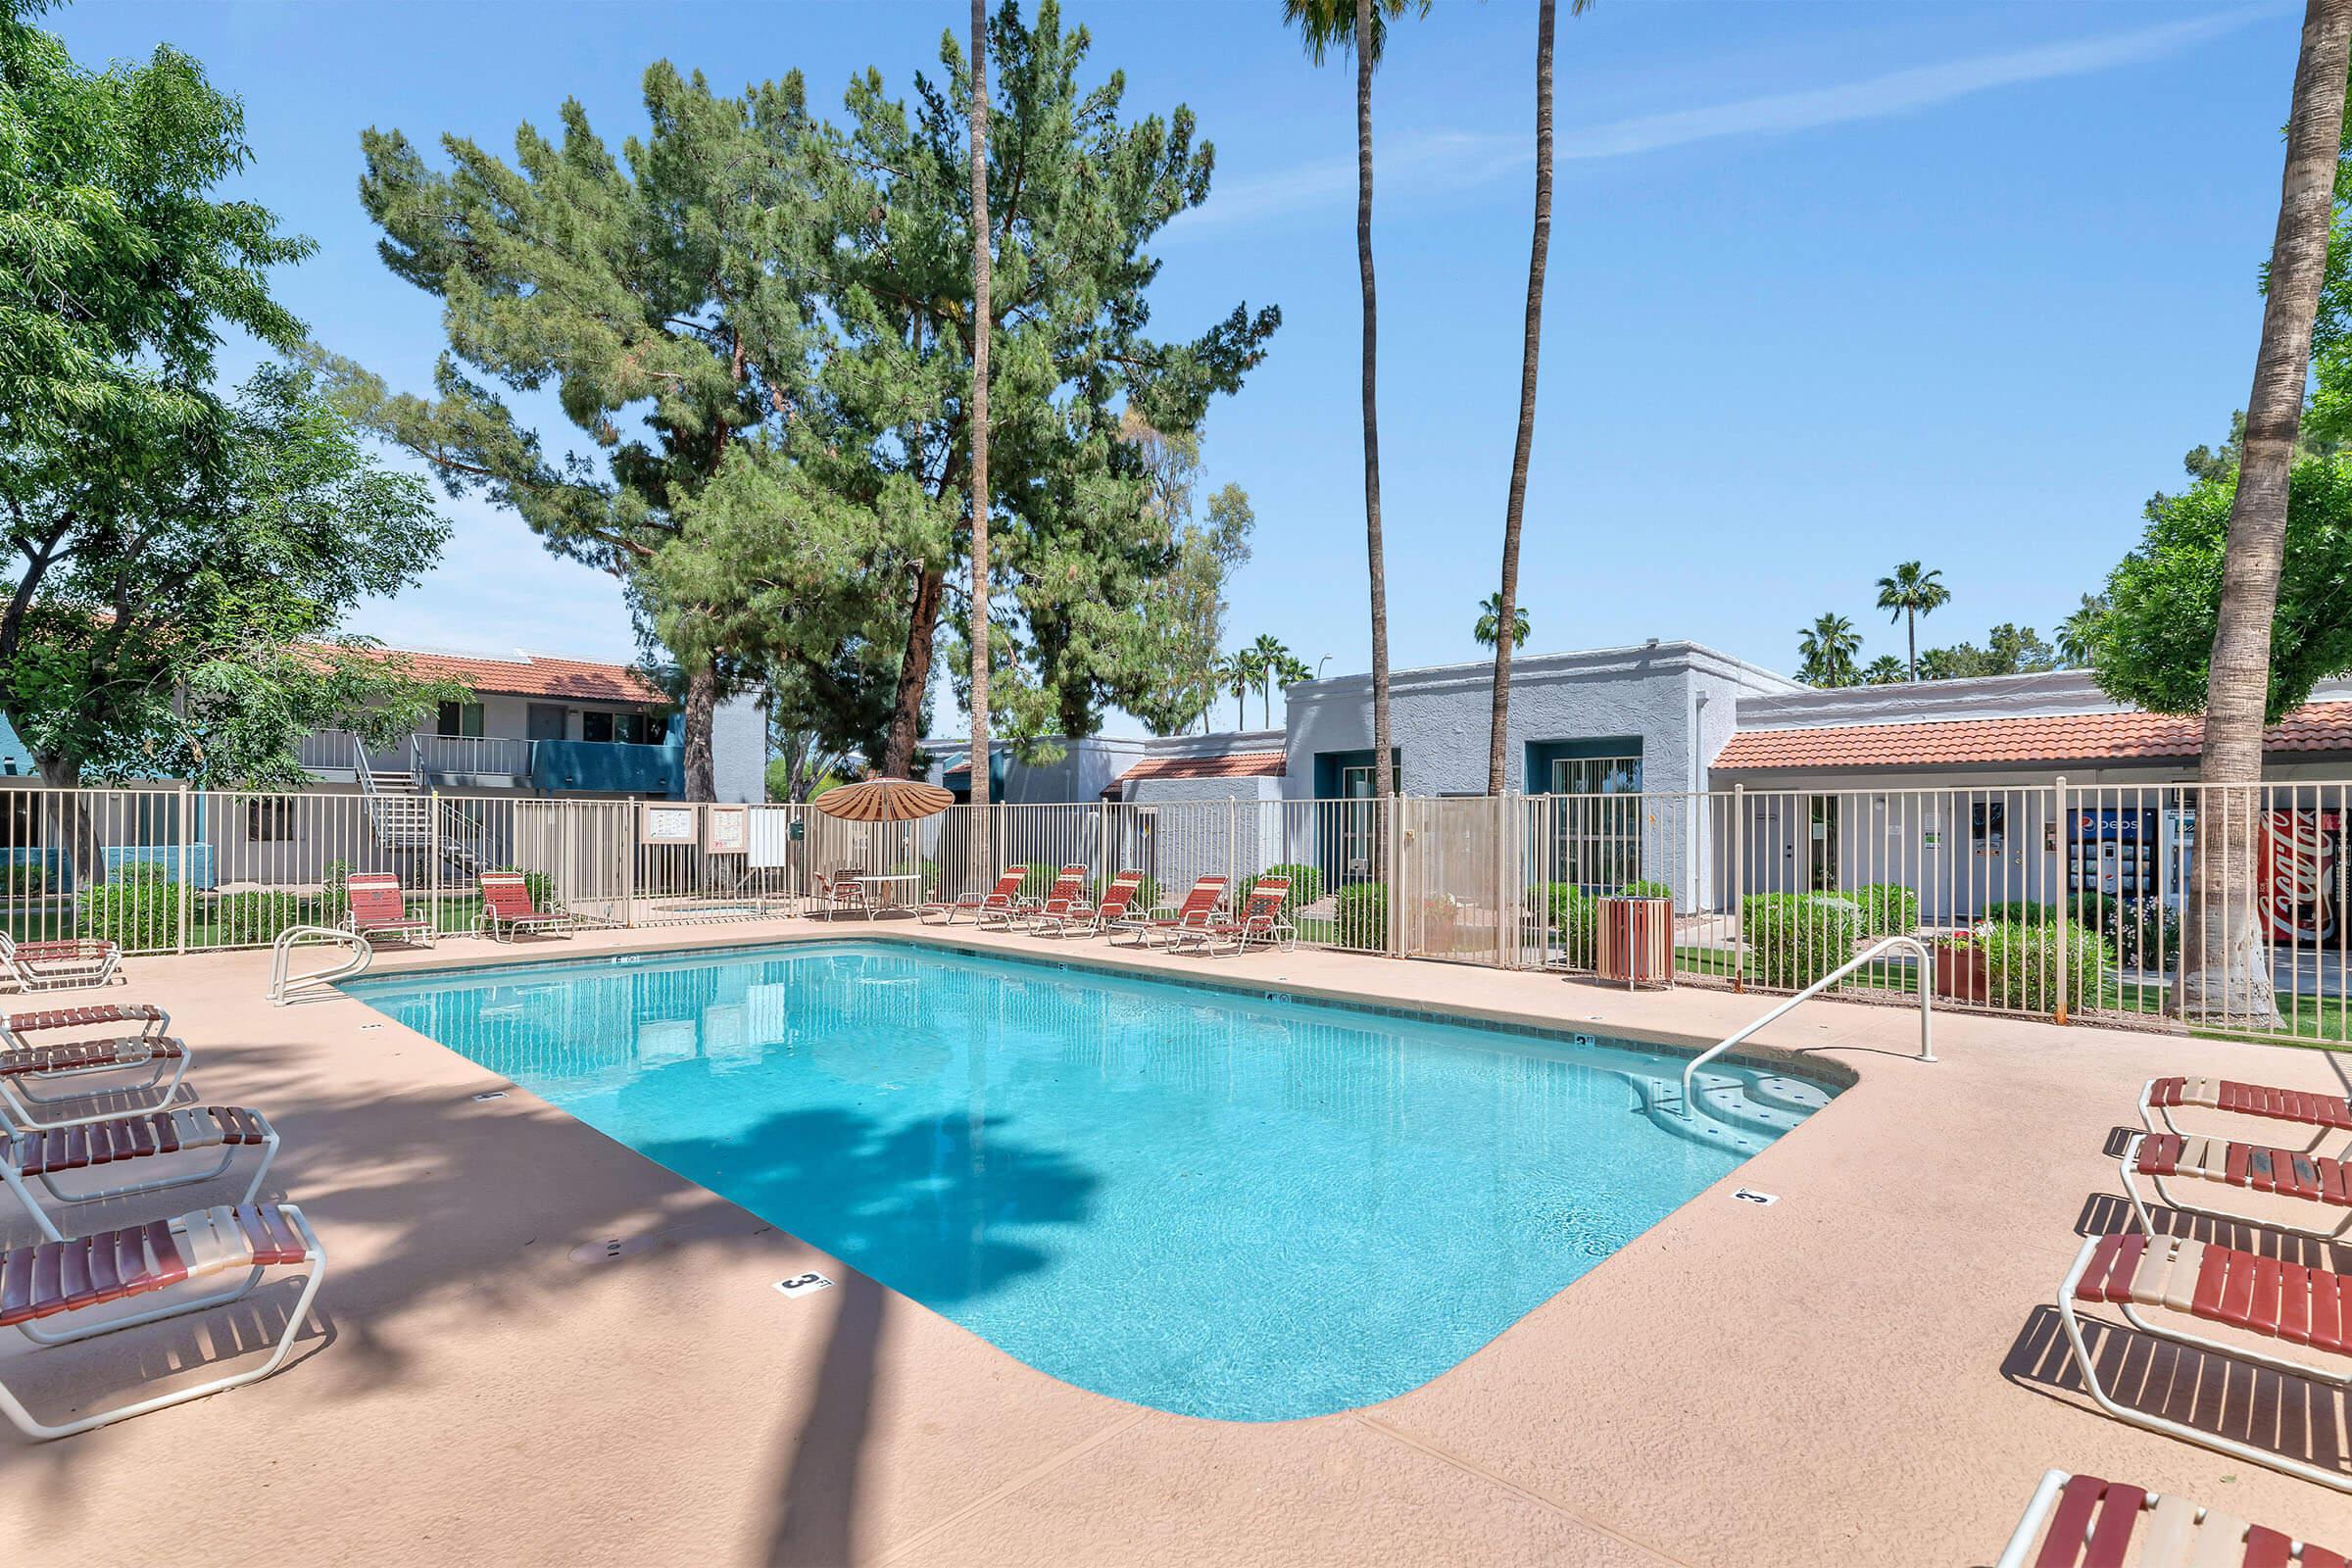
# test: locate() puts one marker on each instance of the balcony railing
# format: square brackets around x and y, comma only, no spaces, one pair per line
[471,754]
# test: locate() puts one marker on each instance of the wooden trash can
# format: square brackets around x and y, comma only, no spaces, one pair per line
[1633,941]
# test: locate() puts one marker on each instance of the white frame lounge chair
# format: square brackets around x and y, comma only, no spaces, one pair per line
[1005,895]
[2328,1113]
[512,909]
[2285,1172]
[67,965]
[1260,923]
[2093,1522]
[23,1065]
[70,1279]
[1066,895]
[389,915]
[1169,921]
[146,1134]
[2178,1277]
[1088,917]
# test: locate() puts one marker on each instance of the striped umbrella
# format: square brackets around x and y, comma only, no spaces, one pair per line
[884,800]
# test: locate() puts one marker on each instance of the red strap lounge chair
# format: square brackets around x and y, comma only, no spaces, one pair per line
[1087,919]
[1261,921]
[61,966]
[1066,895]
[1005,896]
[2186,1280]
[379,907]
[150,1135]
[506,909]
[1162,926]
[74,1063]
[50,1290]
[2328,1113]
[2157,1157]
[2084,1521]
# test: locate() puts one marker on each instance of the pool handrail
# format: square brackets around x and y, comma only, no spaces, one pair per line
[1926,995]
[282,985]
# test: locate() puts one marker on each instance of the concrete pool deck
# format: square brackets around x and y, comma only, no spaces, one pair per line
[1868,1370]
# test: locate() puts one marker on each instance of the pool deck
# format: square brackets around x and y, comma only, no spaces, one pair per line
[1870,1370]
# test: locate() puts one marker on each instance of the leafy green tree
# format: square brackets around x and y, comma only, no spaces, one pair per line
[1490,623]
[1184,618]
[1908,594]
[1826,652]
[2009,650]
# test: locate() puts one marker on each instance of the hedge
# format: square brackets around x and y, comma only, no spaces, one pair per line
[137,906]
[1363,917]
[1794,939]
[1307,885]
[2021,964]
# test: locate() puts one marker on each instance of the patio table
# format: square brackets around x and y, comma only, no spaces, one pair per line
[880,886]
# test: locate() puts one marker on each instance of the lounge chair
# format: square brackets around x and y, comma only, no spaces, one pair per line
[507,907]
[379,907]
[43,1156]
[1067,893]
[2091,1524]
[23,1065]
[1005,896]
[2328,1113]
[1086,919]
[1162,926]
[61,966]
[2156,1158]
[1260,922]
[2181,1280]
[69,1280]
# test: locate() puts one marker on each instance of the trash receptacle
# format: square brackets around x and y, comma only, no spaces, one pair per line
[1633,941]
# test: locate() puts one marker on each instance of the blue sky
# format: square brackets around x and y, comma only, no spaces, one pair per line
[1833,286]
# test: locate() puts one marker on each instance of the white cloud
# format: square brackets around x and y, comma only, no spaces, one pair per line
[1429,160]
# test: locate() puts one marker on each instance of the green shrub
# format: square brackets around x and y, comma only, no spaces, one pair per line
[1888,909]
[254,917]
[334,894]
[1794,939]
[1567,911]
[1307,885]
[137,906]
[25,879]
[2021,964]
[1646,890]
[1363,917]
[540,885]
[2143,931]
[2017,912]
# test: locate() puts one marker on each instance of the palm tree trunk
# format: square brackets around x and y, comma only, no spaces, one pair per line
[1911,637]
[2224,958]
[983,325]
[1506,612]
[1384,777]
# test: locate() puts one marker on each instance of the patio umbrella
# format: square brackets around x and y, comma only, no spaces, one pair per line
[884,800]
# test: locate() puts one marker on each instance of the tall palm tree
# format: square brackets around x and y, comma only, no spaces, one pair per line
[1238,674]
[1908,594]
[1363,29]
[982,324]
[2225,969]
[1826,651]
[1489,624]
[1884,670]
[1267,657]
[1510,627]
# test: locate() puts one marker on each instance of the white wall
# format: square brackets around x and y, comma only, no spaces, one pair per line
[739,750]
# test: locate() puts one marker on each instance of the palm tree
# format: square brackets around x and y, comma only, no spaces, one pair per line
[1489,625]
[1267,657]
[1508,626]
[1908,594]
[1884,670]
[2076,631]
[2225,969]
[1363,28]
[982,324]
[1826,651]
[1238,674]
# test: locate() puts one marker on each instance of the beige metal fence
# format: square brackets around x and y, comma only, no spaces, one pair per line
[2231,909]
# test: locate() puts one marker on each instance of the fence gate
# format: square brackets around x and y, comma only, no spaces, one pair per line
[1449,878]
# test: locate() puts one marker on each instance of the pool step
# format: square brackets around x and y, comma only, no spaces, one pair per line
[1735,1112]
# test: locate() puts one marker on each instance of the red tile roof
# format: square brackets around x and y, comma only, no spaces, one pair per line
[2054,737]
[529,675]
[1231,764]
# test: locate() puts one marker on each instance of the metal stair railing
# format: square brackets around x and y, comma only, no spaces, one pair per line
[283,984]
[1926,995]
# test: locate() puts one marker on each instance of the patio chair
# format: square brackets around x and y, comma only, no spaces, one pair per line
[2187,1280]
[1260,923]
[2328,1113]
[61,966]
[2091,1523]
[43,1156]
[68,1281]
[842,892]
[2285,1172]
[23,1065]
[1164,926]
[379,907]
[507,907]
[1067,893]
[1085,917]
[1005,896]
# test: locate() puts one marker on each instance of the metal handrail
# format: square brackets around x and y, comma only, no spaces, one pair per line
[1927,990]
[281,955]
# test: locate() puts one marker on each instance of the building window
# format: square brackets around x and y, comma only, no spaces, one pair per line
[1597,822]
[460,718]
[271,819]
[628,729]
[595,726]
[1989,826]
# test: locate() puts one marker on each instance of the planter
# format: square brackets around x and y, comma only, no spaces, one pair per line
[1633,941]
[1960,971]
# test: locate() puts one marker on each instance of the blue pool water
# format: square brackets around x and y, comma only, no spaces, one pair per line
[1211,1202]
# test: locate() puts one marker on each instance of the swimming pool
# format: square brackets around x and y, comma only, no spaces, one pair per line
[1213,1203]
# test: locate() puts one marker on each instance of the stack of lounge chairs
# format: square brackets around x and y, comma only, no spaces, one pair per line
[89,1095]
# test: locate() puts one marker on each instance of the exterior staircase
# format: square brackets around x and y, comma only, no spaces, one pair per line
[406,817]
